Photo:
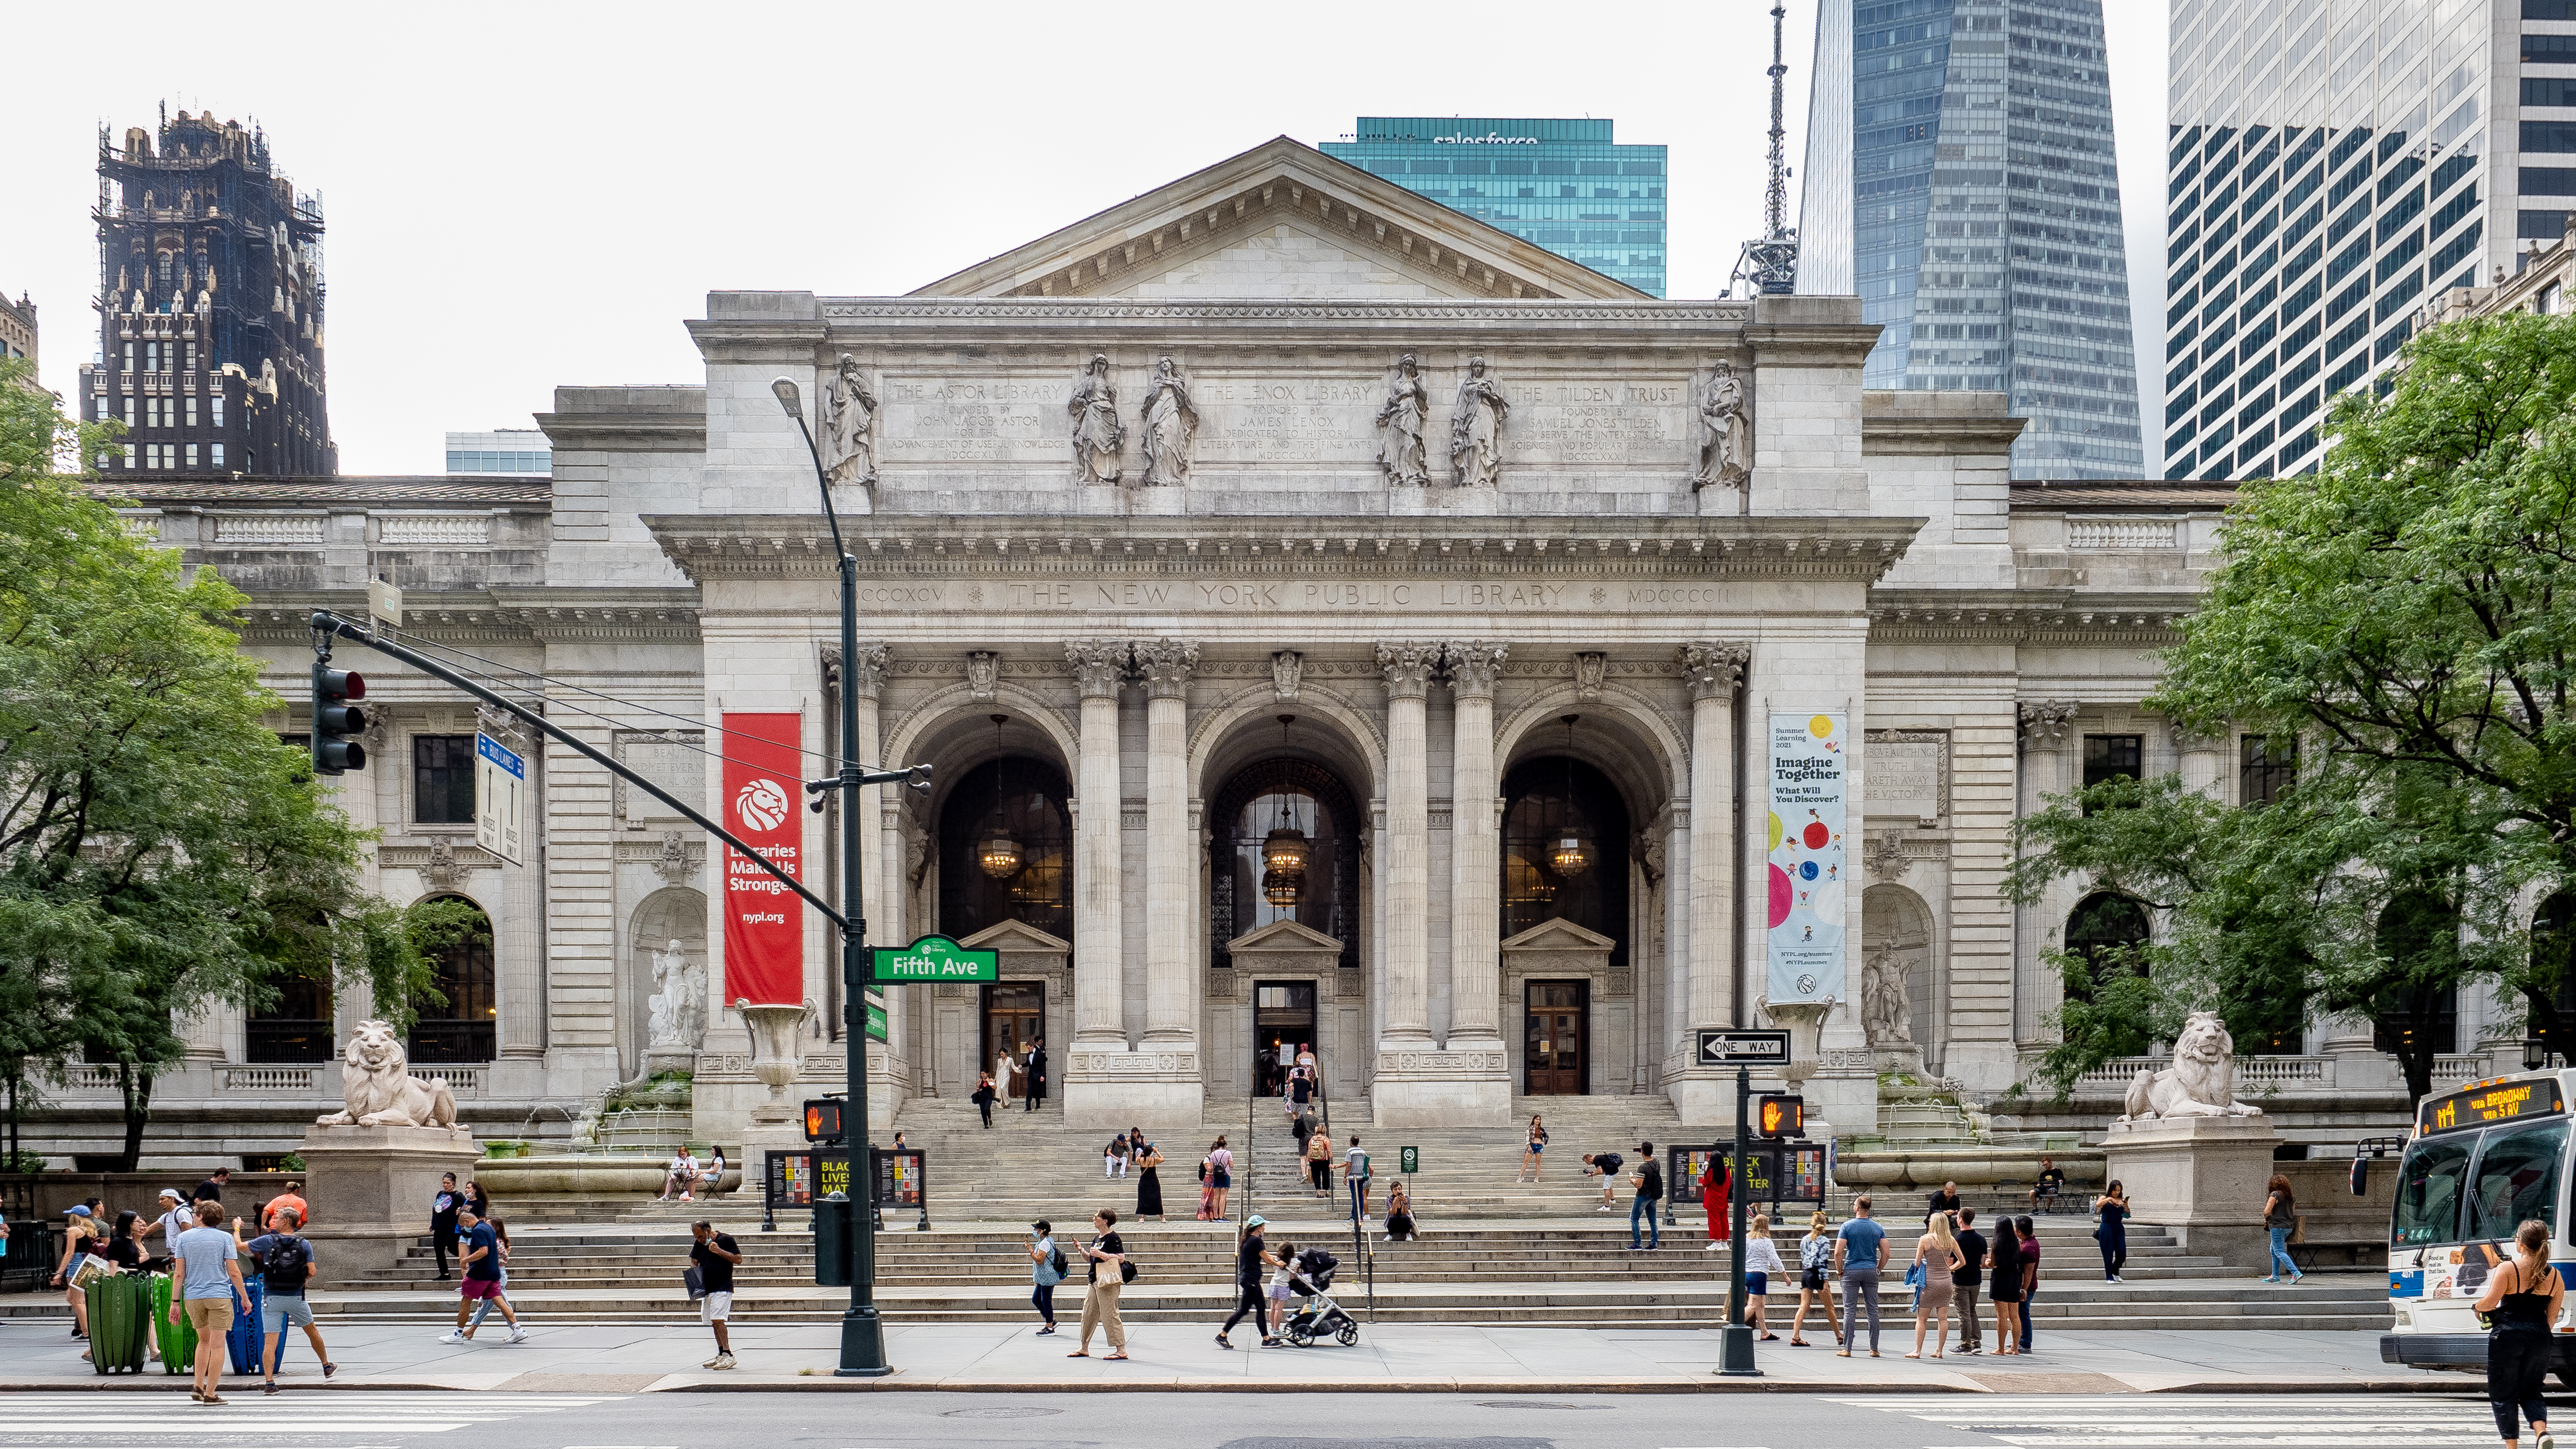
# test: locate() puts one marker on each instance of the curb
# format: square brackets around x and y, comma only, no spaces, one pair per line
[897,1383]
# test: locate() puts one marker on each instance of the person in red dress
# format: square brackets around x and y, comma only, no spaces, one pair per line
[1713,1192]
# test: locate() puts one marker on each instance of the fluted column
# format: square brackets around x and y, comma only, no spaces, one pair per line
[1408,669]
[1171,1006]
[1475,864]
[1099,1000]
[1712,671]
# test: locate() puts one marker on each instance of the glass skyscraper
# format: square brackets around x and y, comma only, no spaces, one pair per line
[1960,178]
[2330,167]
[1563,185]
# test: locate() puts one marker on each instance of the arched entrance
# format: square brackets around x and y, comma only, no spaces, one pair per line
[1283,850]
[1005,845]
[1565,848]
[460,1031]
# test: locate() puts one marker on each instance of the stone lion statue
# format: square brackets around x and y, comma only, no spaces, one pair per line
[2200,1083]
[377,1084]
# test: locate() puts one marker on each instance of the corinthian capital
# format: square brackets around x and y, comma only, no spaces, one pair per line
[1098,666]
[868,670]
[1712,670]
[1408,668]
[1472,666]
[2044,722]
[1166,665]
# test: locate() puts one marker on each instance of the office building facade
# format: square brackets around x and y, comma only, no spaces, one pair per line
[505,450]
[1561,184]
[1960,177]
[210,306]
[2329,169]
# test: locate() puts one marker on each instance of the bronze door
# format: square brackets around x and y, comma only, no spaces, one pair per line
[1014,1016]
[1554,1055]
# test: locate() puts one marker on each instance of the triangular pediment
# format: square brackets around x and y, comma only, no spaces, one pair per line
[1558,934]
[1284,936]
[1282,220]
[1015,936]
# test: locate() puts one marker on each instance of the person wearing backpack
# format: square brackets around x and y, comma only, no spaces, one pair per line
[285,1269]
[1319,1161]
[1046,1269]
[1355,1173]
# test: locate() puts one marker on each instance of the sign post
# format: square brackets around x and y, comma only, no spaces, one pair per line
[500,777]
[1741,1049]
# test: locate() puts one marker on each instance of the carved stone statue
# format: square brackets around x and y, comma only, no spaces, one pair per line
[377,1088]
[1399,426]
[849,427]
[1476,429]
[1167,425]
[679,1002]
[1886,1011]
[2200,1083]
[1287,675]
[1725,435]
[1097,433]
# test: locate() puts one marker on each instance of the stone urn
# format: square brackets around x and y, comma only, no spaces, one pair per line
[777,1054]
[1805,1021]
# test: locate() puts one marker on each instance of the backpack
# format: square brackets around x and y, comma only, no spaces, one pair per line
[284,1263]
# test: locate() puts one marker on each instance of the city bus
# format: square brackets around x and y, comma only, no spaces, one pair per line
[2484,1159]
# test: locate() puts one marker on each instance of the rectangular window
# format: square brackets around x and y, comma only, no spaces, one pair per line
[129,455]
[215,405]
[2270,763]
[191,453]
[2113,757]
[2549,135]
[192,410]
[2548,91]
[2549,50]
[215,456]
[129,357]
[442,779]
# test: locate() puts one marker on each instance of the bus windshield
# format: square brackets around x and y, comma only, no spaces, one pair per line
[2478,1186]
[2428,1190]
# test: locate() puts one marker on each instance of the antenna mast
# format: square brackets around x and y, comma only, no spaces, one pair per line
[1771,263]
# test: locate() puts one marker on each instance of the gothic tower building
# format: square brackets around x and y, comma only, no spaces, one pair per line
[210,306]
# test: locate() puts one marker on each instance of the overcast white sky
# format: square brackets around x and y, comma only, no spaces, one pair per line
[526,195]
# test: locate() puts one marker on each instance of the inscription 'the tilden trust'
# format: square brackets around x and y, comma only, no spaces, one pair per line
[1286,595]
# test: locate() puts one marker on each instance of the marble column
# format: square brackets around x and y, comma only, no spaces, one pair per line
[1475,860]
[2036,990]
[1408,669]
[2201,761]
[1099,1004]
[889,1064]
[1171,894]
[1712,671]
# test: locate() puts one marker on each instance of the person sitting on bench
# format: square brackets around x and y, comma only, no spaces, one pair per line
[2052,1182]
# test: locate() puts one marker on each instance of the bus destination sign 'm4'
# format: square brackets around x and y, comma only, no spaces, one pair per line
[2490,1102]
[937,959]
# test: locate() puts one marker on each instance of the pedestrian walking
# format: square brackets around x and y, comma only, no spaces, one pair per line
[1945,1200]
[1970,1280]
[1100,1303]
[1859,1248]
[1649,1185]
[1714,1185]
[1221,1174]
[2004,1288]
[501,1250]
[477,1199]
[1250,1292]
[479,1255]
[1301,1129]
[2029,1245]
[1815,1289]
[1149,1179]
[2113,1232]
[1355,1176]
[1319,1162]
[1046,1269]
[2280,1219]
[1605,1165]
[286,1268]
[982,1096]
[212,1188]
[442,1220]
[1301,1091]
[1113,1158]
[1035,1081]
[714,1255]
[2522,1298]
[80,1222]
[210,1284]
[1936,1260]
[291,1200]
[1761,1260]
[1533,1151]
[1005,1074]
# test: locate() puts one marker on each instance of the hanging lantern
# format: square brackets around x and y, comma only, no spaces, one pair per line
[1000,857]
[1283,860]
[1570,856]
[1000,854]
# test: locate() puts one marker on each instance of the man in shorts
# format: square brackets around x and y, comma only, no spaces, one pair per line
[1605,1165]
[715,1254]
[285,1267]
[210,1284]
[479,1254]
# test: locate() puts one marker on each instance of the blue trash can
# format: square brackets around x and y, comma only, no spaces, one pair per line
[242,1344]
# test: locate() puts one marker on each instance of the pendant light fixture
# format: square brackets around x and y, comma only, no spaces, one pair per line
[1285,851]
[1570,852]
[1000,854]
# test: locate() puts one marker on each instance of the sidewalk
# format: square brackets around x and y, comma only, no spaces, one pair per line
[1177,1357]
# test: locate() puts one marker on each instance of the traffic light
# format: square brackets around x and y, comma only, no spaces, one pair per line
[1783,1116]
[823,1120]
[336,721]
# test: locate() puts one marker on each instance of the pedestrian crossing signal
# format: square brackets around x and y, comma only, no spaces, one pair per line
[1783,1116]
[823,1120]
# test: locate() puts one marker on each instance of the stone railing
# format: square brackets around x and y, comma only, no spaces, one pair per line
[2254,1075]
[434,530]
[463,1081]
[268,529]
[2091,533]
[298,1080]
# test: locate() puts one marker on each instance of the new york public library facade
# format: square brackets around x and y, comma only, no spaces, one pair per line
[1329,620]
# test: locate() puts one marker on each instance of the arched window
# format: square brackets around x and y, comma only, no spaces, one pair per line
[1005,850]
[1565,850]
[2419,936]
[295,1027]
[1309,875]
[461,1031]
[2099,929]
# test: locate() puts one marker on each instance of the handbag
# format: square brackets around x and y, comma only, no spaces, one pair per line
[1127,1271]
[695,1280]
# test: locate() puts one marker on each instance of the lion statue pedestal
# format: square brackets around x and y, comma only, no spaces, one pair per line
[2193,1158]
[371,1169]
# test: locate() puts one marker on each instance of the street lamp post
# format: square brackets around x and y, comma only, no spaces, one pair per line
[863,1353]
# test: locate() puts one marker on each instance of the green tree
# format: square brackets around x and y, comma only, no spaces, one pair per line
[158,842]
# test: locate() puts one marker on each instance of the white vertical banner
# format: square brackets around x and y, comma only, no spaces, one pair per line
[500,776]
[1806,866]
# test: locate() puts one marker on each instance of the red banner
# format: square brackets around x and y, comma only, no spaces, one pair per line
[764,922]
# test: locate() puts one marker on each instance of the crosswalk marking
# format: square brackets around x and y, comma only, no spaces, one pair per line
[320,1413]
[2199,1421]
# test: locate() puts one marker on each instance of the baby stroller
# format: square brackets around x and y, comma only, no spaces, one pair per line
[1318,1316]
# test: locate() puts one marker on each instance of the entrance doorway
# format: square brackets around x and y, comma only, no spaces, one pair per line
[1014,1016]
[1559,1022]
[1283,1019]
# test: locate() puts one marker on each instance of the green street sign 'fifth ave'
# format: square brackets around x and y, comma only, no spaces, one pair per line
[935,958]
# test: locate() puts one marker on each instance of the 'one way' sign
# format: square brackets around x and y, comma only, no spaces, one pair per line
[1743,1048]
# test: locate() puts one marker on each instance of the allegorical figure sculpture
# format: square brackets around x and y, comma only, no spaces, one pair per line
[378,1089]
[1725,436]
[1399,425]
[2200,1083]
[1167,425]
[1097,433]
[679,1002]
[849,427]
[1887,1013]
[1476,429]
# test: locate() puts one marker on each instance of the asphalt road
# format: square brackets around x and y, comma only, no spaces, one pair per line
[391,1419]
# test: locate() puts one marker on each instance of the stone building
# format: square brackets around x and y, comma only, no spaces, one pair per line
[18,327]
[1329,620]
